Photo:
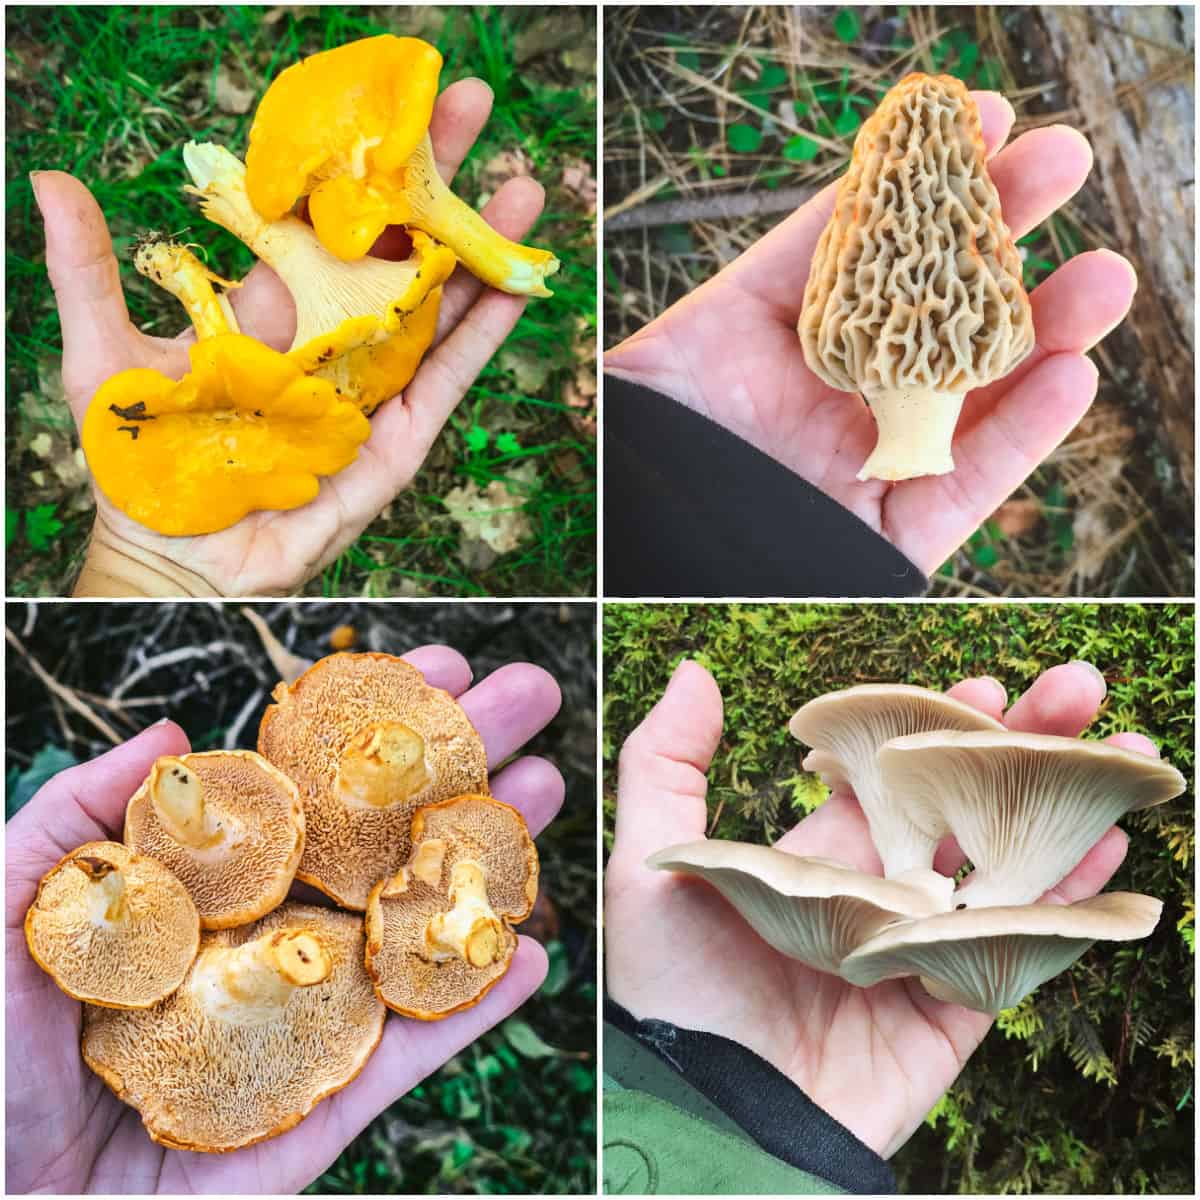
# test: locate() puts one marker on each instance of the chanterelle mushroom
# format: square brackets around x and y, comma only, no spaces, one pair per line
[846,729]
[228,824]
[988,959]
[245,429]
[914,295]
[811,909]
[113,928]
[348,128]
[439,931]
[368,742]
[272,1018]
[363,325]
[1024,807]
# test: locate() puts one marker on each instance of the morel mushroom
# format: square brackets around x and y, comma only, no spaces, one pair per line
[228,824]
[112,927]
[914,295]
[439,932]
[368,742]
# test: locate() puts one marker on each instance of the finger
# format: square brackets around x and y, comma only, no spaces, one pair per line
[510,706]
[662,772]
[534,787]
[442,667]
[1137,742]
[1062,701]
[1078,306]
[794,240]
[83,804]
[1098,866]
[930,517]
[459,114]
[83,270]
[264,308]
[986,694]
[1039,173]
[512,211]
[410,1050]
[838,829]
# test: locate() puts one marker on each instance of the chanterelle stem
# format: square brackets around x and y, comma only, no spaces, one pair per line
[383,765]
[176,269]
[106,892]
[178,800]
[249,984]
[916,427]
[470,930]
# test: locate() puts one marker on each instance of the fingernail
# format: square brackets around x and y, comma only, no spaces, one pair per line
[160,721]
[34,176]
[999,687]
[1095,673]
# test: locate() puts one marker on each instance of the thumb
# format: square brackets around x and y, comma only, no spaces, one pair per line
[83,271]
[662,783]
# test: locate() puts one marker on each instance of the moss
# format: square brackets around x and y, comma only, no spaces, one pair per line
[1088,1087]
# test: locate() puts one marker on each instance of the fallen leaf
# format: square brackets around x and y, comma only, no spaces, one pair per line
[494,516]
[579,182]
[1015,517]
[530,368]
[233,96]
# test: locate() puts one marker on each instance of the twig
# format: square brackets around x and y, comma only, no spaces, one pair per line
[716,207]
[235,729]
[169,658]
[60,690]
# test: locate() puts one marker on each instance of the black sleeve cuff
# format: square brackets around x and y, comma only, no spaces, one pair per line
[763,1102]
[692,510]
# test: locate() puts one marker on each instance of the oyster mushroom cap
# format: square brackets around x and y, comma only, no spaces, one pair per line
[914,295]
[113,928]
[272,1018]
[812,909]
[989,959]
[439,932]
[228,824]
[849,727]
[368,742]
[1025,807]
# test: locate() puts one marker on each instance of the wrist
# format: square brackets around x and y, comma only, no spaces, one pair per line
[114,566]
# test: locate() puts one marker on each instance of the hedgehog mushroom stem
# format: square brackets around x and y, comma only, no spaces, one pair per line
[249,984]
[383,765]
[178,800]
[916,427]
[106,893]
[470,930]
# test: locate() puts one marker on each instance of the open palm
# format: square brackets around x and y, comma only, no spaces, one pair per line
[67,1133]
[274,552]
[730,351]
[877,1059]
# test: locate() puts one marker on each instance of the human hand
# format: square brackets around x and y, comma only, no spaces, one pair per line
[269,553]
[68,1133]
[730,350]
[876,1059]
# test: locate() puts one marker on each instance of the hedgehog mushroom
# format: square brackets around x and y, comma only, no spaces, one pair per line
[228,824]
[811,909]
[349,129]
[914,296]
[846,729]
[439,933]
[245,429]
[363,325]
[272,1018]
[113,928]
[1024,807]
[368,742]
[989,959]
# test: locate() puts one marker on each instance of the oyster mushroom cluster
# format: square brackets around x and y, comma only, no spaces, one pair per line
[344,137]
[223,1011]
[1025,809]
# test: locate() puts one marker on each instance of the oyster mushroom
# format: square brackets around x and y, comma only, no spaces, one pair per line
[348,128]
[112,927]
[363,325]
[846,729]
[439,932]
[1024,807]
[228,824]
[272,1018]
[367,742]
[914,295]
[989,959]
[812,909]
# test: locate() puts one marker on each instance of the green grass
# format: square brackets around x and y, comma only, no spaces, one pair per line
[111,95]
[1088,1087]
